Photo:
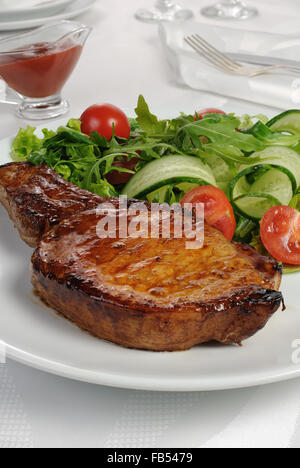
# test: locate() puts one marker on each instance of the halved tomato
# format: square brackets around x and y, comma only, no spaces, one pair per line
[280,234]
[217,208]
[199,115]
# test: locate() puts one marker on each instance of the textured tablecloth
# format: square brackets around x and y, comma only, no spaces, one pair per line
[41,410]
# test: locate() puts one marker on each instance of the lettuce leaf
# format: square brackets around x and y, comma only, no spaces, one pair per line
[104,189]
[25,143]
[74,124]
[247,121]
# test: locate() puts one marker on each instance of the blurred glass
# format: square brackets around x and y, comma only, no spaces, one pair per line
[164,10]
[229,9]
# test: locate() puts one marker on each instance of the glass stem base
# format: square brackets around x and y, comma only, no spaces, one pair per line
[164,11]
[42,109]
[223,10]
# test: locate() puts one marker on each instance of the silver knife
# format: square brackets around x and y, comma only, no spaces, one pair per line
[262,60]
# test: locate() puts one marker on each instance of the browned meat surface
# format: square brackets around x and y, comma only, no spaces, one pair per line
[152,293]
[37,198]
[140,293]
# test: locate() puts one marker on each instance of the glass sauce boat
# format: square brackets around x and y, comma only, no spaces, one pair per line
[35,66]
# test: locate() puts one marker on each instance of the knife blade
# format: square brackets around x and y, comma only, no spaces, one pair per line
[263,60]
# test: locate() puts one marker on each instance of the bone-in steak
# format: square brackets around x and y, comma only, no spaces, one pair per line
[37,198]
[140,293]
[153,293]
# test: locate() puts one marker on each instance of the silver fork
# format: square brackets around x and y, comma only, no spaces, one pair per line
[225,64]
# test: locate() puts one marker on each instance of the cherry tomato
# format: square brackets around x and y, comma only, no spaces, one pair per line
[118,178]
[280,234]
[199,115]
[218,210]
[102,118]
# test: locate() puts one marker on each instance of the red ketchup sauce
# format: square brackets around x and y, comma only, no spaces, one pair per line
[41,70]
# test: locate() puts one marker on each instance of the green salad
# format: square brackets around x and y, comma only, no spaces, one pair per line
[255,162]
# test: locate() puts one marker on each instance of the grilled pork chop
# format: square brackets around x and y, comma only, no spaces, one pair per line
[36,198]
[148,294]
[152,293]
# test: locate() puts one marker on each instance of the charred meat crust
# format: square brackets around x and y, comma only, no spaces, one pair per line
[37,198]
[229,320]
[265,265]
[144,294]
[240,301]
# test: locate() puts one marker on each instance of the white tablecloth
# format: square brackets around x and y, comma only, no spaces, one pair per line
[122,59]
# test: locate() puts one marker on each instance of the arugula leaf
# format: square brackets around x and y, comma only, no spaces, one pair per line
[230,153]
[222,129]
[73,136]
[148,122]
[99,140]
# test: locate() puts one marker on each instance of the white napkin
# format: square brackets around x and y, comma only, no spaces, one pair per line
[281,90]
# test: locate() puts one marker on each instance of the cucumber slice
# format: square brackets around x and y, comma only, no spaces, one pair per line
[270,189]
[255,205]
[186,187]
[288,121]
[168,170]
[284,158]
[275,183]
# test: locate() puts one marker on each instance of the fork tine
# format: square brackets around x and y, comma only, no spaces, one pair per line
[222,61]
[216,52]
[202,54]
[225,64]
[212,59]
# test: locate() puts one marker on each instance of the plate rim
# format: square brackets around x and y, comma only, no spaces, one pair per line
[143,383]
[147,383]
[38,8]
[83,5]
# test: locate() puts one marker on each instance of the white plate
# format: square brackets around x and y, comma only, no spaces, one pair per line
[29,9]
[77,7]
[36,336]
